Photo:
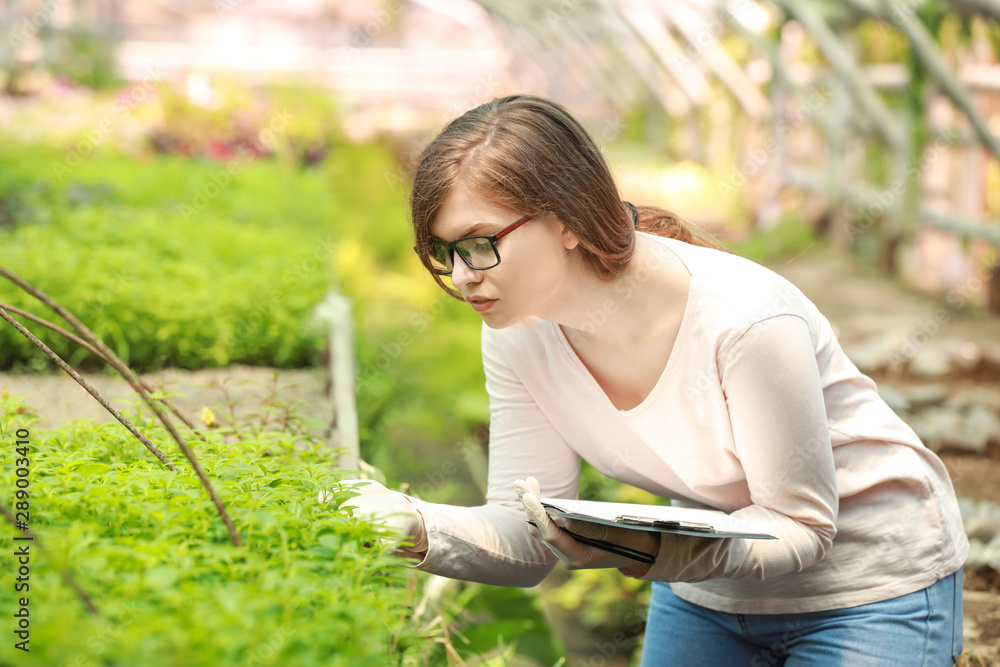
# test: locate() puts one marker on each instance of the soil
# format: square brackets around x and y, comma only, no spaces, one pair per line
[979,478]
[858,302]
[57,398]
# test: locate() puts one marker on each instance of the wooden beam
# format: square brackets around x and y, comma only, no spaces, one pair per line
[866,197]
[700,37]
[967,228]
[848,70]
[926,50]
[639,15]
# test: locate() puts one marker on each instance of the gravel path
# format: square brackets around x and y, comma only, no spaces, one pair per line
[57,398]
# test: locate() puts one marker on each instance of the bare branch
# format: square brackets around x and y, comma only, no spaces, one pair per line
[122,368]
[97,353]
[54,327]
[93,392]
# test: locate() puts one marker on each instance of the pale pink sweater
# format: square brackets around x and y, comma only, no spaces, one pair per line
[758,412]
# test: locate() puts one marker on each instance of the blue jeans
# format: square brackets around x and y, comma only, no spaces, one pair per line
[921,629]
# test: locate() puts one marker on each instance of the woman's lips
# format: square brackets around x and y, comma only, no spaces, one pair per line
[480,304]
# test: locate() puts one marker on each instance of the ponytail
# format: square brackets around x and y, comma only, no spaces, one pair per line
[661,222]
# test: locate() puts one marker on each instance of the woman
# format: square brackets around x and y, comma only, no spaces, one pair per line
[628,338]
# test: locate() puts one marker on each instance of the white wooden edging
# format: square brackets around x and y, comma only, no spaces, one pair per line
[335,310]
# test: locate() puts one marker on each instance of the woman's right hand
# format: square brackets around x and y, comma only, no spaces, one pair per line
[377,504]
[573,554]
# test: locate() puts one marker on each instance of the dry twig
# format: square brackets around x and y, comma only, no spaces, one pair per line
[133,379]
[90,390]
[100,355]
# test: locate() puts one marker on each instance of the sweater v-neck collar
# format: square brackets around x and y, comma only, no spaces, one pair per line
[694,288]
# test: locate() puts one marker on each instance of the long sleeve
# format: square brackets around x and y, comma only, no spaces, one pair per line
[774,396]
[491,543]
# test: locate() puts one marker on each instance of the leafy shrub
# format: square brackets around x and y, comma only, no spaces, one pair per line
[286,119]
[147,546]
[164,272]
[82,57]
[311,586]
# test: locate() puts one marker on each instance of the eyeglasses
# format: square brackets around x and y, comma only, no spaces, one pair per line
[478,252]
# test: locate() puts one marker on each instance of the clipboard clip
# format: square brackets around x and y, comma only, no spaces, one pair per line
[632,520]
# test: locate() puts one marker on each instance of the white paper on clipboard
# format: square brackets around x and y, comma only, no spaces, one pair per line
[680,520]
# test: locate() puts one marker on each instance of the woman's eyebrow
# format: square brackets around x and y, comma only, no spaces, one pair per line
[468,232]
[474,228]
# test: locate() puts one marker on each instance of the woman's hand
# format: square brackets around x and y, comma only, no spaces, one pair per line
[377,504]
[575,555]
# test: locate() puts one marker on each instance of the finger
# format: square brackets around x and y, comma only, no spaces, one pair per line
[529,485]
[546,527]
[536,512]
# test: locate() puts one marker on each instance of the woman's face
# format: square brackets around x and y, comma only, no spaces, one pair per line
[534,258]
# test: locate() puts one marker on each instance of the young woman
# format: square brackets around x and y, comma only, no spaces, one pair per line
[625,337]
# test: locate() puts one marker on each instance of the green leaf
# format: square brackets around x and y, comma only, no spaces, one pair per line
[264,519]
[162,576]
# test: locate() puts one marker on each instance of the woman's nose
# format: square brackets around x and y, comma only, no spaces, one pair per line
[462,275]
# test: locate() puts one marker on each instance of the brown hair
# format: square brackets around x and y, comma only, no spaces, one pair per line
[529,154]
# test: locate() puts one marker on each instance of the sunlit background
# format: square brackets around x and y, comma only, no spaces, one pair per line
[196,179]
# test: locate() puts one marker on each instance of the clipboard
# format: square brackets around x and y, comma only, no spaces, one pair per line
[677,520]
[608,546]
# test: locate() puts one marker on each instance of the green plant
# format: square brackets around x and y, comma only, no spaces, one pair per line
[515,621]
[85,58]
[229,279]
[787,239]
[169,587]
[237,279]
[310,586]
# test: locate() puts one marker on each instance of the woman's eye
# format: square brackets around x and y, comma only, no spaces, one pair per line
[441,254]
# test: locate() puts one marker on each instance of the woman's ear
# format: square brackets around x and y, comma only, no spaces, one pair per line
[569,239]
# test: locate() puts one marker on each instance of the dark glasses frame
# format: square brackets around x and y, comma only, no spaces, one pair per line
[450,247]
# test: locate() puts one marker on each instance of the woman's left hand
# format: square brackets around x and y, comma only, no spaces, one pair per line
[576,555]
